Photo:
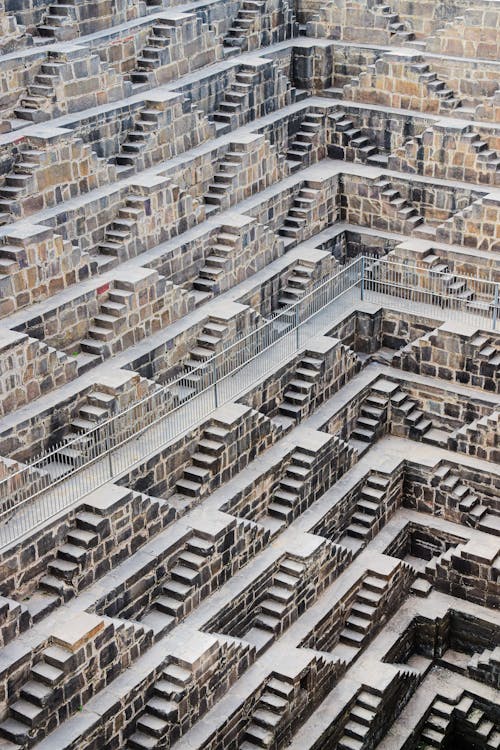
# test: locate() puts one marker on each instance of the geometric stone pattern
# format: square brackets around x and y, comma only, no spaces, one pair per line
[313,562]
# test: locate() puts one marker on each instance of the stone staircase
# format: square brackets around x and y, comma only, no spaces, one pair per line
[72,557]
[247,19]
[100,405]
[398,206]
[478,723]
[286,498]
[298,216]
[300,390]
[35,106]
[479,158]
[476,513]
[272,610]
[219,192]
[371,420]
[486,351]
[479,435]
[369,508]
[444,560]
[59,23]
[162,711]
[395,26]
[438,725]
[106,327]
[217,262]
[365,610]
[120,231]
[485,666]
[461,717]
[299,148]
[360,719]
[455,286]
[19,182]
[137,139]
[420,427]
[36,697]
[195,373]
[422,72]
[205,463]
[348,142]
[191,568]
[268,713]
[235,100]
[154,54]
[298,283]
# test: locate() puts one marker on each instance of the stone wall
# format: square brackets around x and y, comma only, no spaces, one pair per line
[51,169]
[245,434]
[37,263]
[82,81]
[476,226]
[80,644]
[123,521]
[46,427]
[448,151]
[455,356]
[30,369]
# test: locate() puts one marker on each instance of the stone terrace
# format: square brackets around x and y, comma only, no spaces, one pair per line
[249,375]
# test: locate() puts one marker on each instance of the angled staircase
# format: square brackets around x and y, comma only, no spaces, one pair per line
[59,22]
[286,498]
[369,509]
[19,182]
[163,710]
[142,132]
[219,192]
[235,100]
[360,719]
[154,54]
[403,211]
[205,463]
[184,578]
[298,215]
[247,19]
[349,142]
[217,262]
[278,599]
[35,105]
[298,152]
[36,697]
[371,420]
[300,390]
[268,714]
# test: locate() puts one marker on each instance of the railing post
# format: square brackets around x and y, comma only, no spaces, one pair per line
[495,307]
[214,378]
[362,277]
[297,323]
[108,446]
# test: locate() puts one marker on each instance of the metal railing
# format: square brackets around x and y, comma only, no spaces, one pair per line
[467,299]
[68,472]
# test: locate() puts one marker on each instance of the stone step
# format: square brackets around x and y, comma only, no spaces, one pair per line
[26,712]
[89,521]
[15,731]
[46,673]
[37,693]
